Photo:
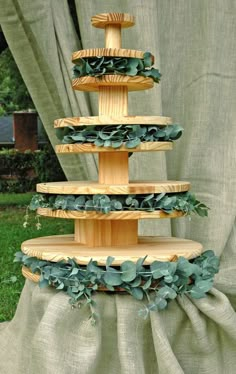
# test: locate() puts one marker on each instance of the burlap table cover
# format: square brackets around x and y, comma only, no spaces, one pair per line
[47,337]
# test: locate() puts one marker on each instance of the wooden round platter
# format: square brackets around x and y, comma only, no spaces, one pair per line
[91,148]
[92,84]
[90,188]
[61,247]
[112,120]
[118,215]
[107,52]
[123,20]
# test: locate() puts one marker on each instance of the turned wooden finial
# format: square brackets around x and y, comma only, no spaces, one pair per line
[112,23]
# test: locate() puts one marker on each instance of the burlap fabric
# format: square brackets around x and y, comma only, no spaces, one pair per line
[194,45]
[46,336]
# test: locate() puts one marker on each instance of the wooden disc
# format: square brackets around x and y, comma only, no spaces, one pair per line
[118,215]
[92,188]
[112,120]
[108,52]
[102,20]
[29,275]
[91,148]
[92,84]
[61,247]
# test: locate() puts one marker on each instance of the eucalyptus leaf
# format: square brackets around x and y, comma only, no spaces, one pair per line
[112,277]
[159,281]
[128,269]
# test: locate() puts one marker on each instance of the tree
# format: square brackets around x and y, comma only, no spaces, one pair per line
[13,92]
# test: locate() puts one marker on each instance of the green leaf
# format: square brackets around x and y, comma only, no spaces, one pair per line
[167,293]
[158,269]
[147,59]
[109,261]
[160,303]
[117,205]
[99,142]
[197,293]
[117,143]
[137,293]
[133,143]
[61,286]
[128,269]
[147,284]
[140,262]
[112,277]
[74,272]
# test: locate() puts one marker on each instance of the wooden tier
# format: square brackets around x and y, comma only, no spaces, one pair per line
[91,84]
[112,120]
[107,52]
[118,215]
[29,275]
[61,247]
[91,148]
[123,19]
[92,188]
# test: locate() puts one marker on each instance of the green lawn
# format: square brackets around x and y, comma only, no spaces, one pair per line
[12,234]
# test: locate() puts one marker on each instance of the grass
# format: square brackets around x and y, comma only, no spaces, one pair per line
[18,199]
[12,234]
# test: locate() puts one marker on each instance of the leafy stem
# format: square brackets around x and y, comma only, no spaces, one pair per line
[159,281]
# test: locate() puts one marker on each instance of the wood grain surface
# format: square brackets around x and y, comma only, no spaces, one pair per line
[112,120]
[91,84]
[104,19]
[118,215]
[108,52]
[103,233]
[62,247]
[91,148]
[91,188]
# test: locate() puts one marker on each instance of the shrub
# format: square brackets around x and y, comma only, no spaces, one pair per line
[20,171]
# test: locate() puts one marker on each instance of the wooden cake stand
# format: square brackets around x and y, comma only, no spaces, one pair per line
[99,235]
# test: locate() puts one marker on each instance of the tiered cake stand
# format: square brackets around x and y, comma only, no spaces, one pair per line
[98,235]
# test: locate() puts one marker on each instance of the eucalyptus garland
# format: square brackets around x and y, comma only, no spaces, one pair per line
[116,135]
[167,202]
[98,66]
[158,282]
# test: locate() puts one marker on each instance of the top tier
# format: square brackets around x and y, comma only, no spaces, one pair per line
[112,23]
[121,19]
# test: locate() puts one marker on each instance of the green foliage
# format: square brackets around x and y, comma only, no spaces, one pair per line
[116,135]
[98,66]
[159,282]
[13,92]
[167,202]
[22,170]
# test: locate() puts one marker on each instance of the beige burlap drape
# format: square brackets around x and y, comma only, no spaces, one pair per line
[194,45]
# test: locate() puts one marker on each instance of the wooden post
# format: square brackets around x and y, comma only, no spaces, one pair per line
[106,233]
[113,167]
[113,36]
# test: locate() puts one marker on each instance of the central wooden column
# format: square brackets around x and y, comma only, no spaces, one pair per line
[113,167]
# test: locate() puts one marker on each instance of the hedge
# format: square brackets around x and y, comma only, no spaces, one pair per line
[20,171]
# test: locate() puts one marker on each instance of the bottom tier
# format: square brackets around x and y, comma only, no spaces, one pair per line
[61,247]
